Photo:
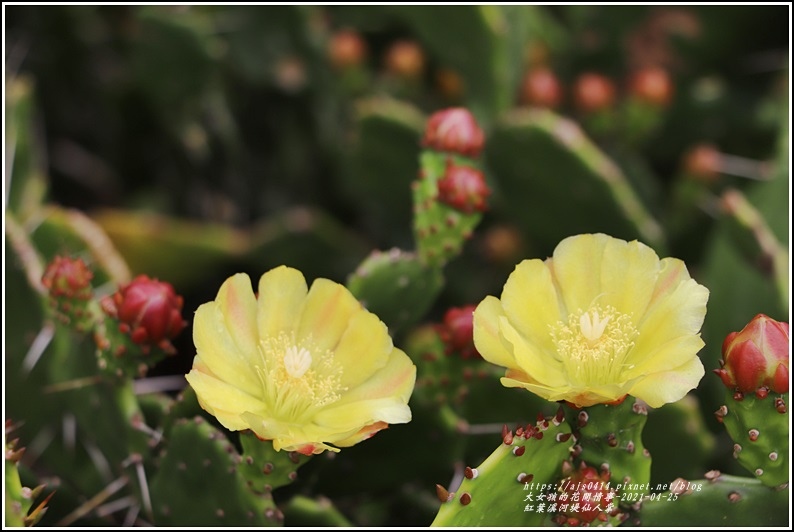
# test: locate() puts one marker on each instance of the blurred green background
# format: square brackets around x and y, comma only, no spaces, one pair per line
[207,140]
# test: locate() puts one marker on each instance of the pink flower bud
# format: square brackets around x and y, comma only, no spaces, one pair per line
[148,310]
[756,357]
[68,278]
[454,130]
[463,188]
[457,331]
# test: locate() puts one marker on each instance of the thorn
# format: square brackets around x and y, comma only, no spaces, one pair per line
[753,434]
[465,499]
[442,493]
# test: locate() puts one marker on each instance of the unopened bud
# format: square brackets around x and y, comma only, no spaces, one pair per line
[757,356]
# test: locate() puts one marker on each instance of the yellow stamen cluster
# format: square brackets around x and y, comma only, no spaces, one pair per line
[594,344]
[298,380]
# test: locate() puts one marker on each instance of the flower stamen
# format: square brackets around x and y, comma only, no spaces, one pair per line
[594,344]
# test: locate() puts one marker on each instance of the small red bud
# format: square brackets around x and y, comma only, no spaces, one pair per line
[454,130]
[585,484]
[66,277]
[346,49]
[456,331]
[593,92]
[651,85]
[463,188]
[541,88]
[148,310]
[757,357]
[405,59]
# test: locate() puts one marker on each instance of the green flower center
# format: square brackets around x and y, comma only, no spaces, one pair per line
[593,344]
[297,380]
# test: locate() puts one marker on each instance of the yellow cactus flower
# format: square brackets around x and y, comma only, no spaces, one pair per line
[309,369]
[600,319]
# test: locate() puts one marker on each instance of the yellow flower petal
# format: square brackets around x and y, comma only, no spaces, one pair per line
[680,314]
[629,294]
[326,314]
[576,264]
[530,302]
[223,347]
[658,389]
[487,337]
[364,348]
[222,400]
[540,365]
[282,292]
[364,434]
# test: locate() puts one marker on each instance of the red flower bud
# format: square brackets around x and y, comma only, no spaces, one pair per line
[68,278]
[463,188]
[756,357]
[457,331]
[593,92]
[150,311]
[405,59]
[652,85]
[540,87]
[346,49]
[586,496]
[454,130]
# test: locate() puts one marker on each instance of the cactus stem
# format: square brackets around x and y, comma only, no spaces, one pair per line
[465,499]
[753,434]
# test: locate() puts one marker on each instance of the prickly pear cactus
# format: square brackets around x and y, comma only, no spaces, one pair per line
[759,428]
[396,285]
[501,490]
[716,500]
[19,500]
[610,438]
[200,455]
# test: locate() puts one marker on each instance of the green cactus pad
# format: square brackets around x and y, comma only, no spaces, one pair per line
[440,229]
[384,161]
[761,436]
[720,500]
[397,286]
[264,468]
[611,437]
[547,169]
[495,493]
[199,483]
